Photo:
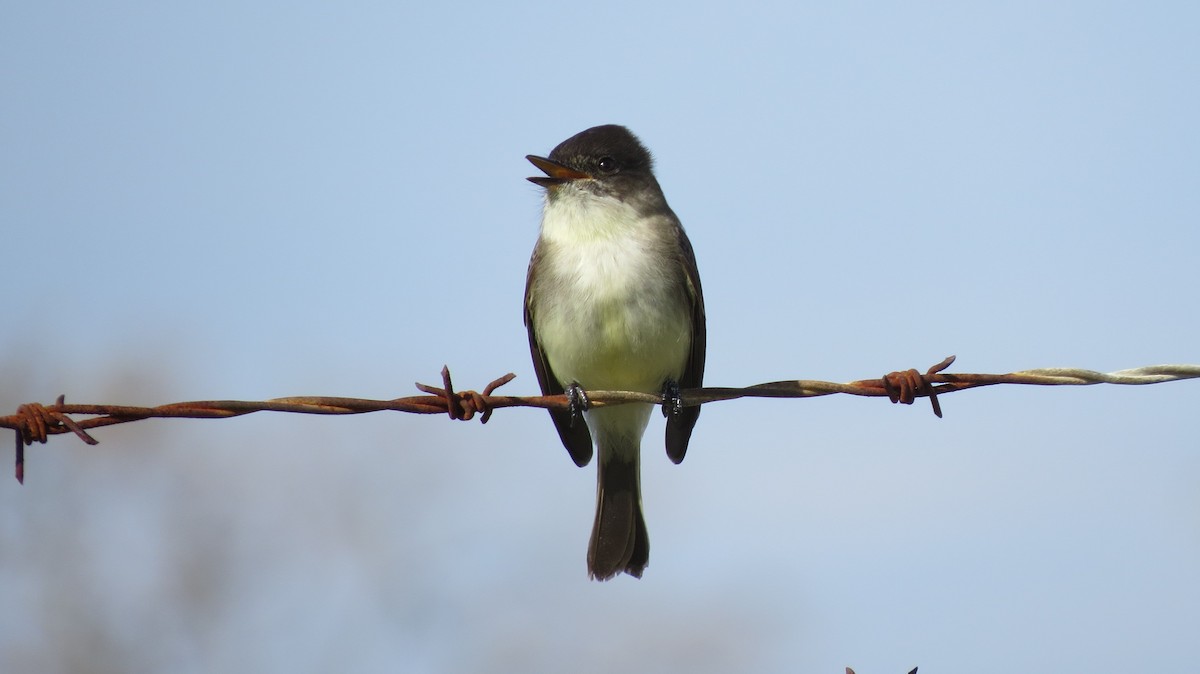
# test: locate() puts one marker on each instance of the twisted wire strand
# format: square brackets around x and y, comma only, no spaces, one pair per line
[1151,374]
[34,422]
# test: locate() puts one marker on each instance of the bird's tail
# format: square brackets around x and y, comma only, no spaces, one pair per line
[619,541]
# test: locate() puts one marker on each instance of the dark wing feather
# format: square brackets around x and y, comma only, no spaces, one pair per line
[573,432]
[679,427]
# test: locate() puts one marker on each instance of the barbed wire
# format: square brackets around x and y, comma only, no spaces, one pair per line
[34,422]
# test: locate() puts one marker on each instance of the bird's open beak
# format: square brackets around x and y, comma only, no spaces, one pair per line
[556,173]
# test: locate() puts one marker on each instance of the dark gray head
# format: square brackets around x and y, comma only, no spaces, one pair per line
[609,155]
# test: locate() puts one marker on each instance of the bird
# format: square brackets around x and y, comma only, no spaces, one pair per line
[613,302]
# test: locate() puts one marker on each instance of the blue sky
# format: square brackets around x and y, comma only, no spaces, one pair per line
[230,201]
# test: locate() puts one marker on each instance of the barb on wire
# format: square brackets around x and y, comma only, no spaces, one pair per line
[34,422]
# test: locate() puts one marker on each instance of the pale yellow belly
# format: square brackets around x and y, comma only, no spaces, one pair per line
[628,344]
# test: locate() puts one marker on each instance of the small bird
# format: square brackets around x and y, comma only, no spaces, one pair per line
[613,302]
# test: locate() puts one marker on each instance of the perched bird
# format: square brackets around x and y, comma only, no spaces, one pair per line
[613,302]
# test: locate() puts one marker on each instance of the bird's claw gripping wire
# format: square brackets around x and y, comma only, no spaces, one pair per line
[463,406]
[578,400]
[904,387]
[672,400]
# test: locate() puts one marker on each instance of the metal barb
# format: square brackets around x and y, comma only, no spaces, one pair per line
[905,387]
[36,423]
[463,406]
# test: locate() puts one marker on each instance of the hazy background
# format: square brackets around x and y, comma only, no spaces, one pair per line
[250,201]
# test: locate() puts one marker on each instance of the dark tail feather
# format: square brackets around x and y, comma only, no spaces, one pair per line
[619,540]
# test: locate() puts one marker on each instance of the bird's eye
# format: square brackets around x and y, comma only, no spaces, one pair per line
[607,165]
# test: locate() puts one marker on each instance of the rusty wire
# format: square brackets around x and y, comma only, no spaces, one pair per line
[34,422]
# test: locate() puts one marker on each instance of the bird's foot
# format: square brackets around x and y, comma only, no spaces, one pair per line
[672,401]
[578,399]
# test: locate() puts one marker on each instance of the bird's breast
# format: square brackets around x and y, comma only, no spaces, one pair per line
[612,310]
